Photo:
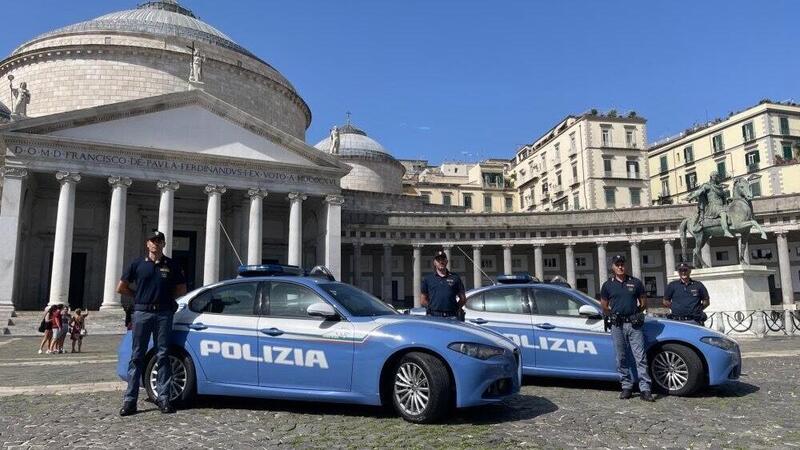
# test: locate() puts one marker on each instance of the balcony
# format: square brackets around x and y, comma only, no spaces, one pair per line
[752,167]
[781,161]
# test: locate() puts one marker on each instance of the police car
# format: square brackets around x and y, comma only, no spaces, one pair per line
[277,332]
[561,334]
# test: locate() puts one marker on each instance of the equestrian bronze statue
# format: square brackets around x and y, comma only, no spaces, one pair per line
[719,215]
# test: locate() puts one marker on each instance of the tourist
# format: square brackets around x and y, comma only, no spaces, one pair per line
[77,329]
[56,321]
[47,328]
[442,292]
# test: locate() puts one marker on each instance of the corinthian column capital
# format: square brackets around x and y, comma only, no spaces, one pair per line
[211,189]
[68,177]
[116,182]
[164,185]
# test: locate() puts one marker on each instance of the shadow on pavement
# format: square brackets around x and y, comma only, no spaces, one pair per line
[733,389]
[571,383]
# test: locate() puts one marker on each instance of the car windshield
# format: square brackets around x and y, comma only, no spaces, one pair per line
[357,302]
[586,298]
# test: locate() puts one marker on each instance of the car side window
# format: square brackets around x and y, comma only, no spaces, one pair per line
[506,300]
[237,299]
[554,303]
[290,300]
[475,303]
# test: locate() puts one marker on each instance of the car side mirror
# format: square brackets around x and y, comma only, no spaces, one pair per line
[322,309]
[589,312]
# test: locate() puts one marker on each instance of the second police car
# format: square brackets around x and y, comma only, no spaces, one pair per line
[276,332]
[561,334]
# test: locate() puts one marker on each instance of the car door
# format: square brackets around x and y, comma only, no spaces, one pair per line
[565,340]
[300,351]
[506,311]
[223,332]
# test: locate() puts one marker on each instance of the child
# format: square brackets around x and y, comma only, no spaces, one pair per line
[77,328]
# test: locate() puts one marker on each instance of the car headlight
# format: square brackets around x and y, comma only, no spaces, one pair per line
[721,342]
[479,351]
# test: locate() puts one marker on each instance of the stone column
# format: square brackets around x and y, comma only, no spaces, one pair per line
[538,261]
[448,250]
[211,263]
[507,269]
[166,209]
[477,274]
[10,224]
[356,263]
[296,228]
[386,292]
[784,267]
[669,257]
[333,234]
[705,252]
[255,227]
[62,249]
[636,260]
[744,250]
[417,259]
[116,241]
[569,252]
[602,263]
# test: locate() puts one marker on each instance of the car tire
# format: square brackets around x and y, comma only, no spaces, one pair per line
[183,379]
[417,376]
[676,370]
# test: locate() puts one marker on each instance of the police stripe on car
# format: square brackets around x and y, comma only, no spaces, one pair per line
[554,344]
[288,356]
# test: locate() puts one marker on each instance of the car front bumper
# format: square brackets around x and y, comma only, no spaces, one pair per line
[480,382]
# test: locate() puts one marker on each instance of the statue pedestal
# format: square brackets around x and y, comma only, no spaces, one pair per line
[739,298]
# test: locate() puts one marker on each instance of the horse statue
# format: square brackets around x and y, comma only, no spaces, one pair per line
[740,215]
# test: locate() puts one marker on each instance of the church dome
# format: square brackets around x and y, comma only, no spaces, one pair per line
[5,113]
[354,142]
[144,52]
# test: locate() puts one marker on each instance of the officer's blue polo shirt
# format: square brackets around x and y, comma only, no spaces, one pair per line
[686,297]
[442,291]
[622,295]
[155,282]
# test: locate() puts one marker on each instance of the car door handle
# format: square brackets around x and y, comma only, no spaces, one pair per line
[544,326]
[197,326]
[479,321]
[271,331]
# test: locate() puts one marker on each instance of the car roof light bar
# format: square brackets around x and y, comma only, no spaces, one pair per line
[270,270]
[517,278]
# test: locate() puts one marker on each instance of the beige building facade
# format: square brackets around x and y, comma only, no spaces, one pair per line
[591,161]
[761,143]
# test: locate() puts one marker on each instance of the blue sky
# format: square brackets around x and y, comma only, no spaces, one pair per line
[469,79]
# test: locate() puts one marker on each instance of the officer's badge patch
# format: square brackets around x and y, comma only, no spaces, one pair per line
[694,292]
[451,281]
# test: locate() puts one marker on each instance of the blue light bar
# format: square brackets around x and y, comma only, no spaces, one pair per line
[517,278]
[270,270]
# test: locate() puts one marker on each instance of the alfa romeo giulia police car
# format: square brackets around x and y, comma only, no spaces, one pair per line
[561,334]
[276,332]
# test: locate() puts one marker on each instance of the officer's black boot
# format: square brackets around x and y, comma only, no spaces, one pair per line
[127,409]
[165,406]
[625,394]
[647,396]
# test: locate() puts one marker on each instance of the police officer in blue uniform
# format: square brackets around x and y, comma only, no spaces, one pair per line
[624,299]
[442,292]
[686,298]
[159,281]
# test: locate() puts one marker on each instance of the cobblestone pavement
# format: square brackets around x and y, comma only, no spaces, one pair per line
[760,411]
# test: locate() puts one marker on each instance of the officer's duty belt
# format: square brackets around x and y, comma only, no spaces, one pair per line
[151,307]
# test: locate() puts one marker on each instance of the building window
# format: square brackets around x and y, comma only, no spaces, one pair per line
[573,148]
[468,201]
[785,126]
[636,196]
[544,161]
[664,187]
[787,151]
[550,263]
[630,139]
[611,197]
[556,154]
[722,256]
[751,159]
[607,166]
[747,132]
[545,187]
[606,134]
[717,143]
[633,169]
[691,180]
[664,164]
[580,261]
[558,179]
[688,154]
[721,171]
[574,173]
[426,197]
[509,204]
[447,199]
[755,188]
[487,203]
[576,201]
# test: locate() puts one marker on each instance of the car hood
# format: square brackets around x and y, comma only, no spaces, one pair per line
[427,328]
[663,328]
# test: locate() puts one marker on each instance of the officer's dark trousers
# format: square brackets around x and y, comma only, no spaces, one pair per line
[159,325]
[626,336]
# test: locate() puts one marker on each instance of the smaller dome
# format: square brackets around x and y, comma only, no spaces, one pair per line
[354,142]
[5,113]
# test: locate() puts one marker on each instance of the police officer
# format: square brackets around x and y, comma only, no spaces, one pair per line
[624,299]
[442,291]
[686,298]
[159,281]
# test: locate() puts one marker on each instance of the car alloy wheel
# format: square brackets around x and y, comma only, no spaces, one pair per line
[670,371]
[179,377]
[411,389]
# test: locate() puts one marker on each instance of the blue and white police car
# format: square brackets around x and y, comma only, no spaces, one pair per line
[277,332]
[561,334]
